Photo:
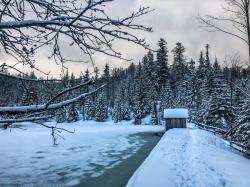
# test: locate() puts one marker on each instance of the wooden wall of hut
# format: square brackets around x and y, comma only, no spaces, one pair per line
[175,123]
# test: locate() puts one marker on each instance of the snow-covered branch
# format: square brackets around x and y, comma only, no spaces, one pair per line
[31,119]
[27,25]
[68,90]
[42,107]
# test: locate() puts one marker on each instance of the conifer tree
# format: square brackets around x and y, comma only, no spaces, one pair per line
[242,131]
[162,69]
[72,114]
[62,115]
[207,60]
[200,85]
[154,113]
[107,81]
[121,107]
[179,65]
[219,112]
[86,75]
[101,112]
[191,90]
[30,95]
[89,109]
[139,98]
[166,98]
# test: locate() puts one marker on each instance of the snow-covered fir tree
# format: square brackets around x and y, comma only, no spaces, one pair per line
[89,109]
[121,108]
[72,113]
[101,112]
[139,99]
[162,69]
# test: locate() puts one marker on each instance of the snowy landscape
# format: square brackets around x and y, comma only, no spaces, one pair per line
[125,93]
[31,160]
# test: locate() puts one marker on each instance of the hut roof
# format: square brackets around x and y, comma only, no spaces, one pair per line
[176,113]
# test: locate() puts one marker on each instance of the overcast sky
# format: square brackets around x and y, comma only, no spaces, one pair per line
[173,20]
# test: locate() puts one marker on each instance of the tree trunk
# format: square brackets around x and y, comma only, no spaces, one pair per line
[248,27]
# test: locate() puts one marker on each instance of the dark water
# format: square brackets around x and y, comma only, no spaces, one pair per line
[120,174]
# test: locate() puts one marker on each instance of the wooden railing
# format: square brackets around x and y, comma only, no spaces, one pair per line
[226,135]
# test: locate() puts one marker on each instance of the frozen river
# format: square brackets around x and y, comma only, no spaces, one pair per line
[95,154]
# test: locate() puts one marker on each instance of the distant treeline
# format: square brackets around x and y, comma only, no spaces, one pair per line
[216,94]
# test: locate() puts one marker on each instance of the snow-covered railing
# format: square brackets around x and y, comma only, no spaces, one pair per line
[215,130]
[225,134]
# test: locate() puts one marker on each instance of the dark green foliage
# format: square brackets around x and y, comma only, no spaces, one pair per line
[101,112]
[154,113]
[89,109]
[179,67]
[62,115]
[72,114]
[121,107]
[242,131]
[140,96]
[162,69]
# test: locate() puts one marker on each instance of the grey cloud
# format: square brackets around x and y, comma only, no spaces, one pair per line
[174,20]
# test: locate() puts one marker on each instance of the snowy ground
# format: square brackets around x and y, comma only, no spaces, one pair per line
[192,158]
[28,157]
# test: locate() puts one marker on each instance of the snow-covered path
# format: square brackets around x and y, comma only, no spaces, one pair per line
[192,158]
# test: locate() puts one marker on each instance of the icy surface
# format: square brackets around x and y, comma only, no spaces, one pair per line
[28,157]
[192,158]
[176,113]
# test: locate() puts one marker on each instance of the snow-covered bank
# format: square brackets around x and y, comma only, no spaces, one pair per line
[28,157]
[192,157]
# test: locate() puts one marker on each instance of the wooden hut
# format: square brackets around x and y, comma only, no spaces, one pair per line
[175,118]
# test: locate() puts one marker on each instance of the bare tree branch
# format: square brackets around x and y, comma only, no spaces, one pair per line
[28,25]
[236,14]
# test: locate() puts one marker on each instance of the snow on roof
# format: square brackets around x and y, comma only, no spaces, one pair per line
[176,113]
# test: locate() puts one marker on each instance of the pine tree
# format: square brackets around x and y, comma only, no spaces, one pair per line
[148,74]
[107,82]
[166,98]
[179,65]
[241,133]
[139,99]
[121,107]
[162,69]
[149,68]
[200,85]
[62,115]
[101,112]
[154,113]
[89,109]
[207,61]
[219,112]
[72,114]
[86,75]
[30,95]
[191,90]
